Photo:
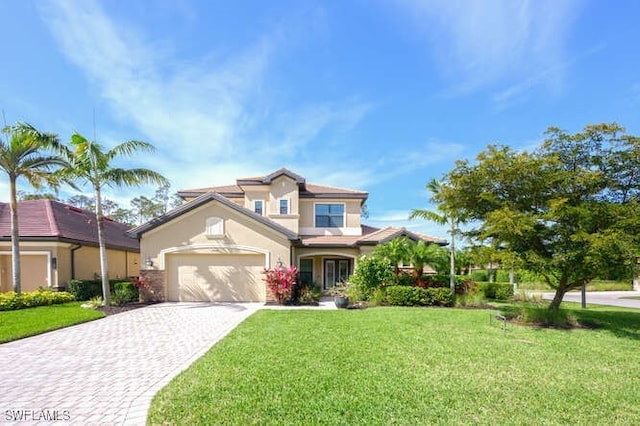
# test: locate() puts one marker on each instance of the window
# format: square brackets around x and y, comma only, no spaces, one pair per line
[257,207]
[329,215]
[284,206]
[306,271]
[214,226]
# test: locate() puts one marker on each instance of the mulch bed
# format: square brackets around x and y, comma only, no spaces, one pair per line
[112,310]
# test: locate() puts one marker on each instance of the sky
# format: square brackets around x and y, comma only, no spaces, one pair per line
[376,95]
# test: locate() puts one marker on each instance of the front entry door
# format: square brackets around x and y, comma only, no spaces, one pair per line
[335,271]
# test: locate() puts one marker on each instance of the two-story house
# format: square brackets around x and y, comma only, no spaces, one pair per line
[215,246]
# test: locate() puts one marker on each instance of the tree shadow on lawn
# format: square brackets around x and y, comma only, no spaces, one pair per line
[620,323]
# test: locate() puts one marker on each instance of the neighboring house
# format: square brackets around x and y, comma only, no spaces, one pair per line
[60,242]
[215,246]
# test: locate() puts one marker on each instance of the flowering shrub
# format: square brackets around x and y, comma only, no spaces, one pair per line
[281,281]
[11,301]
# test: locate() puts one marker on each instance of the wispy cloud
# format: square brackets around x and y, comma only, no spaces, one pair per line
[479,44]
[212,110]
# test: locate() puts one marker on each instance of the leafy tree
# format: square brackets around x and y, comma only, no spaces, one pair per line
[82,202]
[446,214]
[371,273]
[90,163]
[145,208]
[568,210]
[125,216]
[26,196]
[22,155]
[395,252]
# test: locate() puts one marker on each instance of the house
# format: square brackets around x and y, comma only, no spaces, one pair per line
[59,242]
[215,246]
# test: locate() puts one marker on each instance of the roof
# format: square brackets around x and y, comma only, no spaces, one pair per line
[307,190]
[201,200]
[370,236]
[46,220]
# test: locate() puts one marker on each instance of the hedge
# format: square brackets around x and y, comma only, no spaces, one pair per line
[88,289]
[11,301]
[416,296]
[497,291]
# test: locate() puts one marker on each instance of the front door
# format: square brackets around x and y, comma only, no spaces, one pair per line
[335,271]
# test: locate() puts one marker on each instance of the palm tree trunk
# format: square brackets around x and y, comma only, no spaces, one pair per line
[452,259]
[15,237]
[106,291]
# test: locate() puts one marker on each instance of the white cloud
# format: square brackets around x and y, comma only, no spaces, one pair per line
[212,118]
[482,43]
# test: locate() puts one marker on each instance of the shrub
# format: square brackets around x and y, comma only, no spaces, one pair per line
[472,300]
[125,292]
[540,315]
[497,291]
[416,296]
[371,273]
[12,301]
[84,290]
[405,279]
[479,275]
[281,281]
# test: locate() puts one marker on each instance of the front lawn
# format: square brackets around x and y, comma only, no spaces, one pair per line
[410,365]
[28,322]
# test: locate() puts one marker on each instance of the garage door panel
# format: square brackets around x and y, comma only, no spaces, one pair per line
[215,277]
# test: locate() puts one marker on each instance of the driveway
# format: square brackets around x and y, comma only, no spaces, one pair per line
[107,371]
[611,298]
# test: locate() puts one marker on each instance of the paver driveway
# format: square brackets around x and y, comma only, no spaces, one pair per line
[107,371]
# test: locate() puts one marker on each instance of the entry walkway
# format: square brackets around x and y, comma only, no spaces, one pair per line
[107,371]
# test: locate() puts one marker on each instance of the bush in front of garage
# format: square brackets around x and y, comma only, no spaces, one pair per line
[122,291]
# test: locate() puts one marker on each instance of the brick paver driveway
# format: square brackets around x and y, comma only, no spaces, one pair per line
[107,371]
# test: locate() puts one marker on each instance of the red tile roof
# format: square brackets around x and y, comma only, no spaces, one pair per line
[51,220]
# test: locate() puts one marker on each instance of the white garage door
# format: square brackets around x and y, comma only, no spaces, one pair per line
[215,278]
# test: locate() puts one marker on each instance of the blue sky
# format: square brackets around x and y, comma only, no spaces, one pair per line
[374,95]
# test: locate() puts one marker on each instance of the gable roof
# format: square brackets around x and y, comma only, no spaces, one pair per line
[49,220]
[307,190]
[201,200]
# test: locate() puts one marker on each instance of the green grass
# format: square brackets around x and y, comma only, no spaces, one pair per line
[28,322]
[595,285]
[410,366]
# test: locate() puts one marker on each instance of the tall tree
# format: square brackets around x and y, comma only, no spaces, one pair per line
[445,215]
[23,155]
[569,210]
[91,164]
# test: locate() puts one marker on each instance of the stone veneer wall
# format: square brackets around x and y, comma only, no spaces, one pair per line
[155,291]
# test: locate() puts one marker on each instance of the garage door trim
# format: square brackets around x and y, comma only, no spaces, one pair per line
[219,247]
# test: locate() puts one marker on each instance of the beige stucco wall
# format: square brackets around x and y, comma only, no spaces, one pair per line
[33,272]
[284,188]
[319,255]
[307,212]
[87,263]
[186,234]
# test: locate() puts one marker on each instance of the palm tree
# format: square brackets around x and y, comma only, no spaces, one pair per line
[21,155]
[395,251]
[444,216]
[88,162]
[421,254]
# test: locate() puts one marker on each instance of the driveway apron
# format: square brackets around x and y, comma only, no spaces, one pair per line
[107,371]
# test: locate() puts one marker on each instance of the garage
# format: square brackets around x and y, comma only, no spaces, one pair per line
[34,271]
[215,277]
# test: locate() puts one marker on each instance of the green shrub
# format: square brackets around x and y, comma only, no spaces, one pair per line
[125,292]
[416,296]
[371,273]
[472,300]
[479,275]
[378,296]
[84,290]
[405,279]
[11,301]
[540,315]
[497,291]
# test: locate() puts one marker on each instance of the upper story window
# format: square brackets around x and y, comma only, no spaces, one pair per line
[329,215]
[284,206]
[214,226]
[258,207]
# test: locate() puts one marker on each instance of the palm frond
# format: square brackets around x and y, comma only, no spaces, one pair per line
[133,177]
[126,149]
[428,215]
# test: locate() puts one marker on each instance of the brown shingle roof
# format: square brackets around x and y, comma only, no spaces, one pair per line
[370,236]
[307,190]
[52,220]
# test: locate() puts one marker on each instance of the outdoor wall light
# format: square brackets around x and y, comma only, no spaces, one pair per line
[148,262]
